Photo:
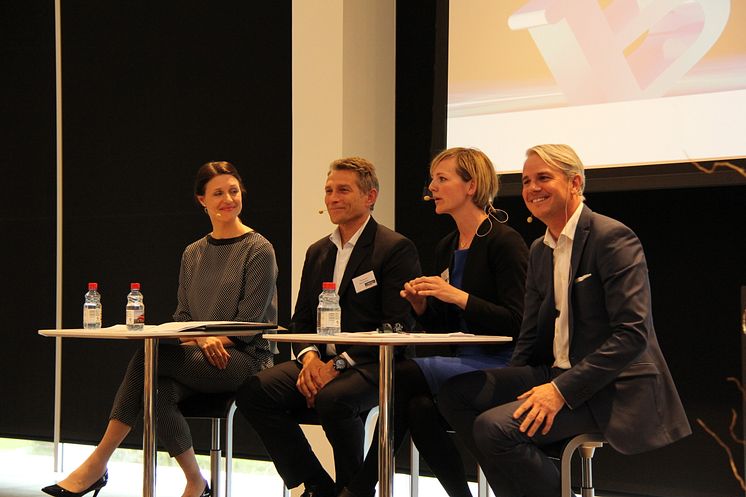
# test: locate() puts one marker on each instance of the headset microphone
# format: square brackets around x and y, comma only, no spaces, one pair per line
[530,219]
[427,198]
[321,211]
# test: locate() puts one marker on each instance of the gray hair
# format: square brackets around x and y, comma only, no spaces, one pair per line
[564,158]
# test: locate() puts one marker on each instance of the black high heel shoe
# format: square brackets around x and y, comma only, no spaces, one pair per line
[205,493]
[58,491]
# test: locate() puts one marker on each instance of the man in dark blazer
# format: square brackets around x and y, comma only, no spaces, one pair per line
[369,263]
[587,359]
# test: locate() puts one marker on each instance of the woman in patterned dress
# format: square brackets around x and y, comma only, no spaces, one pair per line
[229,274]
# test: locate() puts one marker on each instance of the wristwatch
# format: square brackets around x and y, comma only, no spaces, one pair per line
[340,363]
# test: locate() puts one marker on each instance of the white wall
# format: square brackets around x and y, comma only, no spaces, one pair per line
[343,104]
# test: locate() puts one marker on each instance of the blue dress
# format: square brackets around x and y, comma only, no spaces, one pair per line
[467,358]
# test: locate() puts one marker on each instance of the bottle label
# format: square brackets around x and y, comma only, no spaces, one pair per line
[330,319]
[135,316]
[92,317]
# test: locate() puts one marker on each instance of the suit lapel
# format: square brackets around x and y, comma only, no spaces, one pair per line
[326,264]
[544,350]
[578,246]
[362,250]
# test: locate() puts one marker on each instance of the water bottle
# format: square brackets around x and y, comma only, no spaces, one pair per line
[135,309]
[92,308]
[328,314]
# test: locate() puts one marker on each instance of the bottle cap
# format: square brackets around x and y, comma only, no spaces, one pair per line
[93,286]
[328,285]
[134,286]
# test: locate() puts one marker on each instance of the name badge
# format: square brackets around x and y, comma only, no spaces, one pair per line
[364,282]
[445,275]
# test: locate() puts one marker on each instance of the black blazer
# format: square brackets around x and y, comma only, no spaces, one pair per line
[494,277]
[617,365]
[393,260]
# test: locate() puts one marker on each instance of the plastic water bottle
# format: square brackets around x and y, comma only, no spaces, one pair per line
[135,308]
[328,314]
[92,308]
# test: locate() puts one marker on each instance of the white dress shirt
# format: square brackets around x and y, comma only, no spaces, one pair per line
[343,257]
[562,249]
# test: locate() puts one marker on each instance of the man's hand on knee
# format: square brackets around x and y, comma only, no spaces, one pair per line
[541,404]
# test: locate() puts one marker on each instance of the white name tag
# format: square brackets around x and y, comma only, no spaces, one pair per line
[445,275]
[364,282]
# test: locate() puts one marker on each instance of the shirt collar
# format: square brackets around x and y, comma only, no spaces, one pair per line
[336,236]
[568,231]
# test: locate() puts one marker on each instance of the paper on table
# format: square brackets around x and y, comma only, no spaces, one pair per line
[405,335]
[196,326]
[208,325]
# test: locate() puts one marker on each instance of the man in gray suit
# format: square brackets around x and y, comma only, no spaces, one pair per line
[587,359]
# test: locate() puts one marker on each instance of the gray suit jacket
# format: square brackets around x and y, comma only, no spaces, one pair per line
[617,365]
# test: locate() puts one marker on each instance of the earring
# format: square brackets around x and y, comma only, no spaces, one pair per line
[206,211]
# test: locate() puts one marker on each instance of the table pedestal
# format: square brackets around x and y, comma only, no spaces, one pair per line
[150,401]
[385,421]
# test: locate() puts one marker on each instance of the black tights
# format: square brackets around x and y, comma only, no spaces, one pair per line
[415,410]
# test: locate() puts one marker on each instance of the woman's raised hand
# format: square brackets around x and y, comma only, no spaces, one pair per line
[434,286]
[418,302]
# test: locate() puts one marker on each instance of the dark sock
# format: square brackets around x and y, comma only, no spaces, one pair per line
[322,482]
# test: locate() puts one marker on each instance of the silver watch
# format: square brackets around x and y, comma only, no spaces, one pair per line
[340,363]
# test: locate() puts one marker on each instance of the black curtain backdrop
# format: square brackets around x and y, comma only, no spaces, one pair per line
[151,90]
[27,216]
[693,238]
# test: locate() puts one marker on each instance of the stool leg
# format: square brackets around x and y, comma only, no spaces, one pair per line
[229,450]
[586,471]
[414,470]
[215,458]
[483,488]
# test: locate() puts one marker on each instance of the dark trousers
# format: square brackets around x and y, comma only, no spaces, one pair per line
[415,411]
[271,402]
[480,406]
[182,372]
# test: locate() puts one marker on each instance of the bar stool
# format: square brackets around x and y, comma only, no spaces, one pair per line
[586,445]
[216,407]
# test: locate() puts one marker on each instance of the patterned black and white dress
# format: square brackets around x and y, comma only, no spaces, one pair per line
[230,279]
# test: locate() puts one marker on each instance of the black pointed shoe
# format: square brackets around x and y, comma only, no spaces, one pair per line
[96,487]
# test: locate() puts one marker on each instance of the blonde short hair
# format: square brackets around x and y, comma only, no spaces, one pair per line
[561,157]
[473,164]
